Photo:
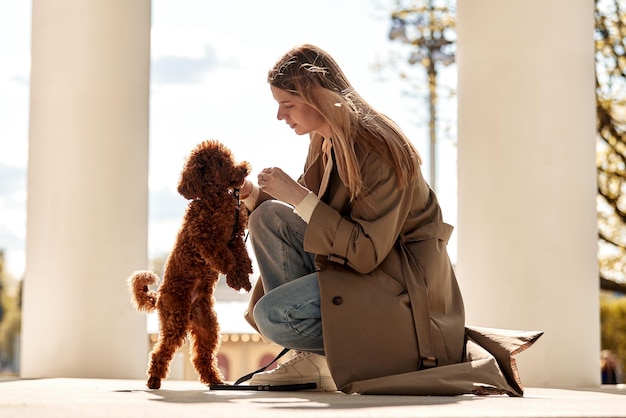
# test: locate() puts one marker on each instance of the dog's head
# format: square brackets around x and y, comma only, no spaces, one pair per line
[209,170]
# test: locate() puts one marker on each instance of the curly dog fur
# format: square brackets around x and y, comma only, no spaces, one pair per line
[210,241]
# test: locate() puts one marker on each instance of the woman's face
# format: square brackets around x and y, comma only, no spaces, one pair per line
[301,117]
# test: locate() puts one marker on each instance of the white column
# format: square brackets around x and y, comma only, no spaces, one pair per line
[87,188]
[527,240]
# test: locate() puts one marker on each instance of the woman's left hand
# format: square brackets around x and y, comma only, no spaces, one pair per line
[277,183]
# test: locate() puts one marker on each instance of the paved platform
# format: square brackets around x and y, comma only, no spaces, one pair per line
[86,398]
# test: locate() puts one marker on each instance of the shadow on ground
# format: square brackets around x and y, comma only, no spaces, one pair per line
[299,400]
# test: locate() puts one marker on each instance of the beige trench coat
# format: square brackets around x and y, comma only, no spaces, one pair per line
[391,305]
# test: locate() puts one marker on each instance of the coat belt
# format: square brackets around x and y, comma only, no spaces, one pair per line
[417,288]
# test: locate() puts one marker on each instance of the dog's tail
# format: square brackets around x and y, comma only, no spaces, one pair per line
[141,296]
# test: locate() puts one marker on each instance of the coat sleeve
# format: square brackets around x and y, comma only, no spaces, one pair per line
[364,236]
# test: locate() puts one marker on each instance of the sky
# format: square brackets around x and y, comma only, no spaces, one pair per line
[209,62]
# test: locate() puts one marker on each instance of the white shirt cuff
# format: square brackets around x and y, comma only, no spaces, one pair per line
[306,207]
[250,201]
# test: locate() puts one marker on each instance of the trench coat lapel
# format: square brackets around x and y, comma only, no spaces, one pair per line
[318,174]
[325,178]
[314,169]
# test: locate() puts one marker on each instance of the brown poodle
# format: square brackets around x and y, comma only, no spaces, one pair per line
[210,241]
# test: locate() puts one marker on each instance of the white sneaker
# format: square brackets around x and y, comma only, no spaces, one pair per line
[303,367]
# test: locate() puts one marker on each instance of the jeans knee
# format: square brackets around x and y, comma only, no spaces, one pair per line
[261,216]
[263,318]
[274,322]
[256,218]
[269,215]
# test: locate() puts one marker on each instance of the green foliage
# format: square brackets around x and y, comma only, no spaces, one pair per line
[10,321]
[613,328]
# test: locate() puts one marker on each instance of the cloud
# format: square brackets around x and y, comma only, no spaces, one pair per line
[12,179]
[173,69]
[21,80]
[10,241]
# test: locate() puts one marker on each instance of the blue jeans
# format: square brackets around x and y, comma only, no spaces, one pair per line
[289,313]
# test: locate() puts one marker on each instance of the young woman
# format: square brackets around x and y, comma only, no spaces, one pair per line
[352,255]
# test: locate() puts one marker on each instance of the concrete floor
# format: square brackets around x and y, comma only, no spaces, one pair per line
[85,398]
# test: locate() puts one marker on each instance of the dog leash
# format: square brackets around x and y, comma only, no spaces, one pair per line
[236,225]
[278,388]
[262,369]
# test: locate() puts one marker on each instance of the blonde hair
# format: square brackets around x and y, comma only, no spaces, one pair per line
[313,75]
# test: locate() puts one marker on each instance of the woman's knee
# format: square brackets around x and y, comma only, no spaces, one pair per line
[256,217]
[270,215]
[275,322]
[262,215]
[264,315]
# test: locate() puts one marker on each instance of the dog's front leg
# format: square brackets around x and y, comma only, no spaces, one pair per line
[239,276]
[216,255]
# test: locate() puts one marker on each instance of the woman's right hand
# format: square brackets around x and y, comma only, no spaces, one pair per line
[277,183]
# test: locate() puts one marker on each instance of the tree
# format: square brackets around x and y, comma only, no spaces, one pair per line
[431,20]
[610,64]
[10,320]
[613,330]
[428,26]
[2,308]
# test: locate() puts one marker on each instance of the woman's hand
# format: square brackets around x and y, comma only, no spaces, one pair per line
[282,187]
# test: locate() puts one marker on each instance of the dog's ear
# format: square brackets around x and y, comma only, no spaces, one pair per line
[240,173]
[194,171]
[185,188]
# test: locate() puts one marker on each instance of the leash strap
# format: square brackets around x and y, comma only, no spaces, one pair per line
[270,388]
[236,225]
[278,388]
[262,369]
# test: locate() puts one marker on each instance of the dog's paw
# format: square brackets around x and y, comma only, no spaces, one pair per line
[154,382]
[246,286]
[239,282]
[213,378]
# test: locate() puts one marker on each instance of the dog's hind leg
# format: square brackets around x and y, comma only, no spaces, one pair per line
[205,332]
[172,333]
